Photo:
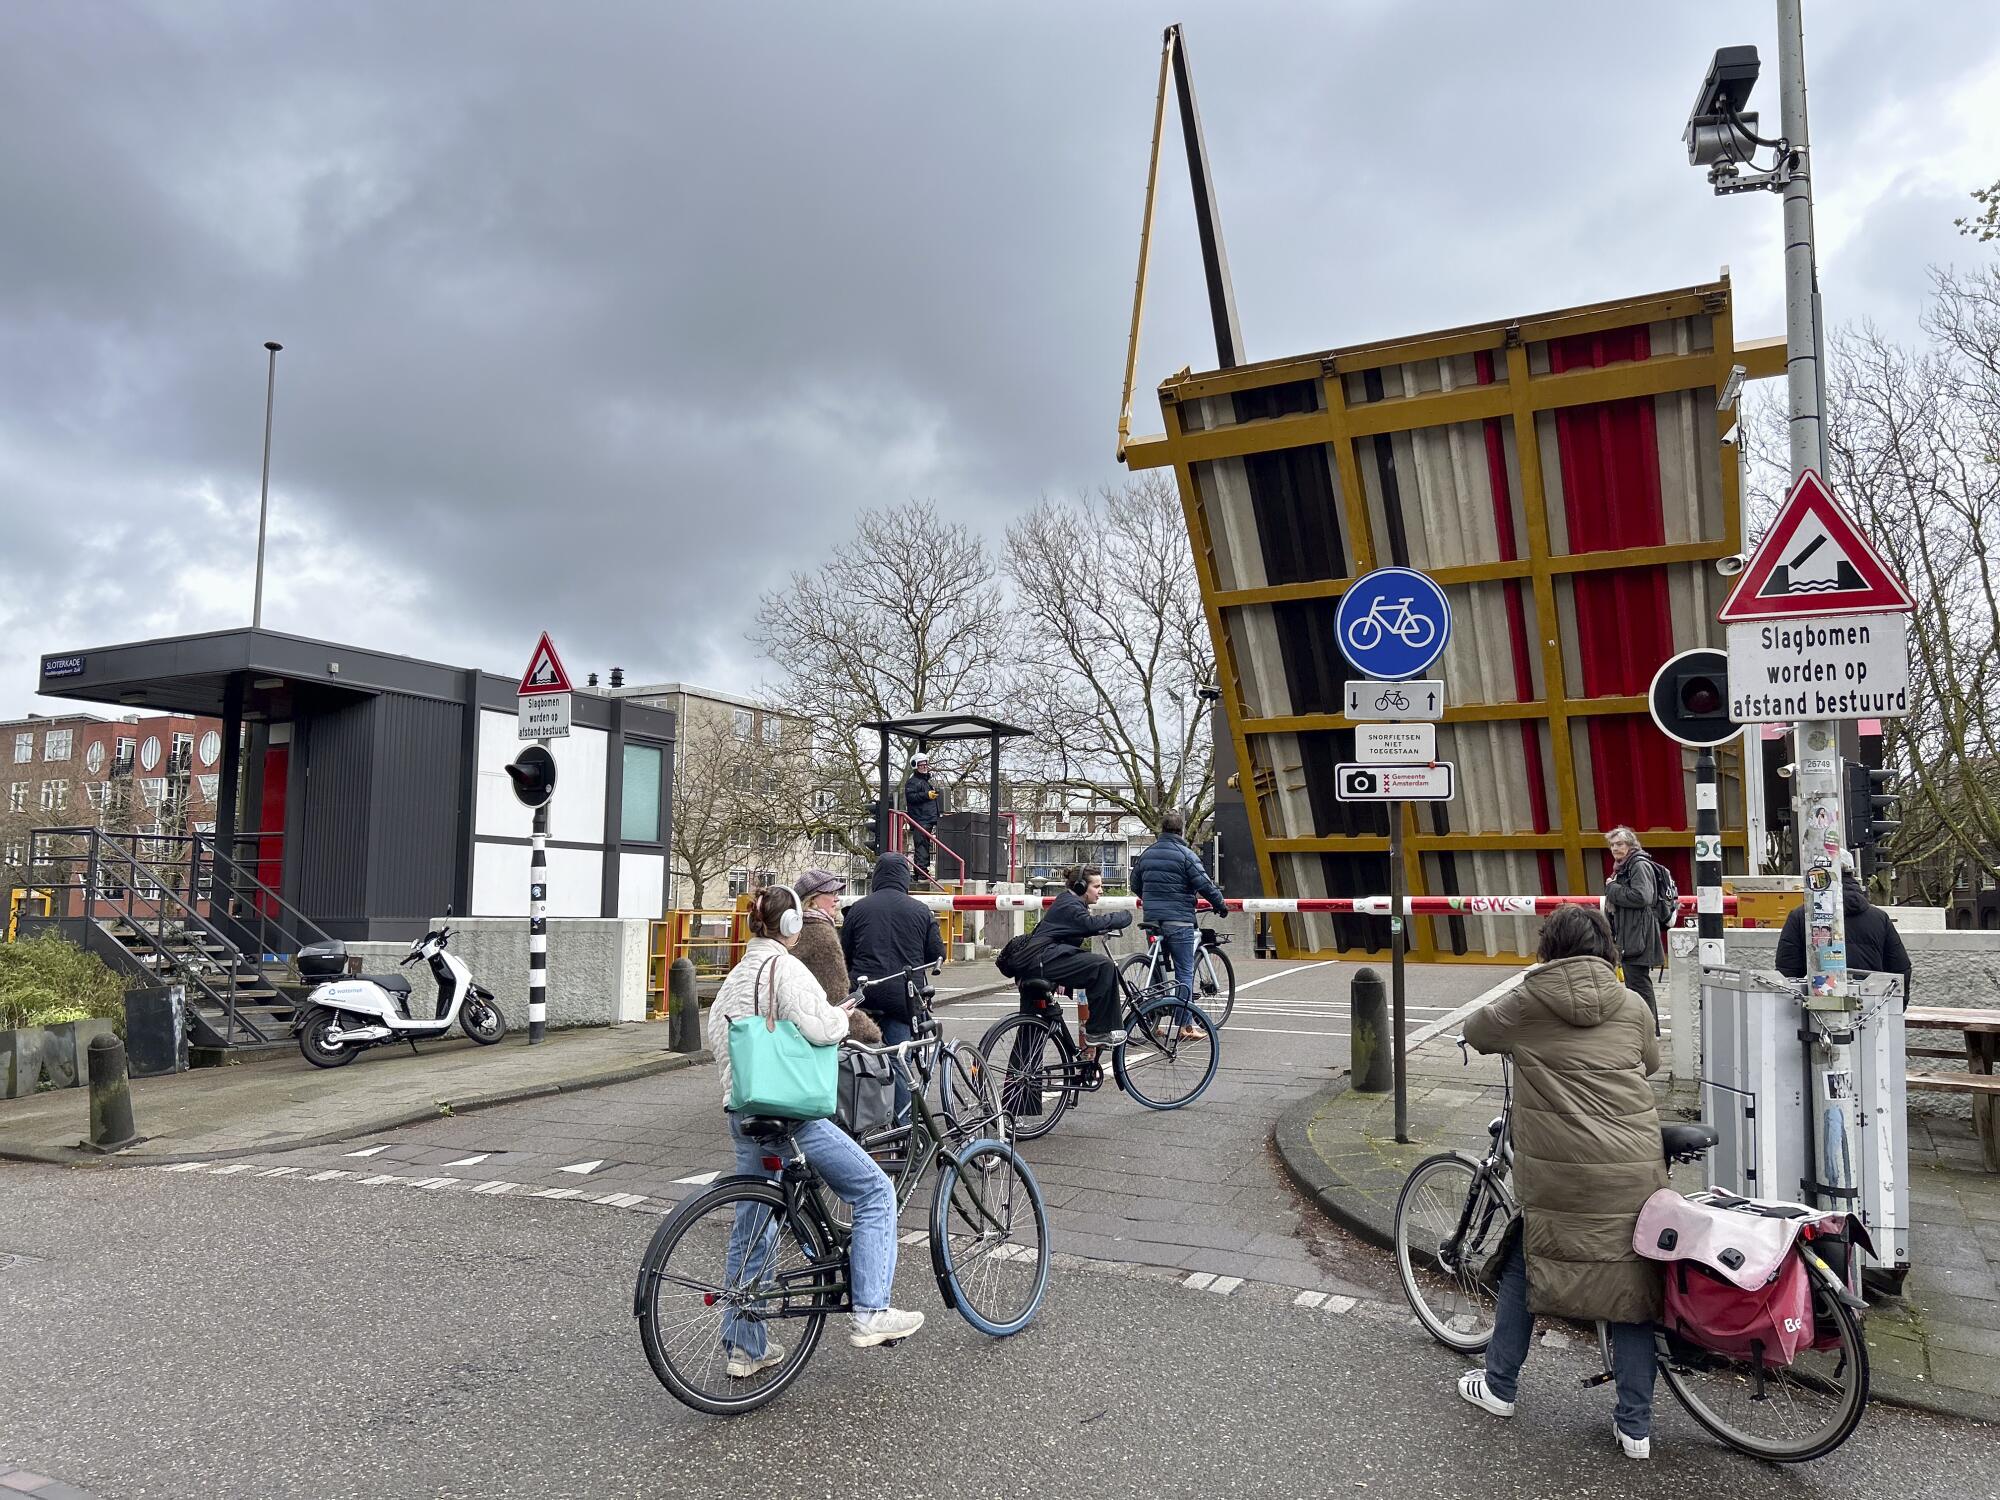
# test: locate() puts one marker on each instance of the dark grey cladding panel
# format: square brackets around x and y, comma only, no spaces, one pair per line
[334,752]
[413,816]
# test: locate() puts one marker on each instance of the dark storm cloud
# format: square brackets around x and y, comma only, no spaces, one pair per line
[605,317]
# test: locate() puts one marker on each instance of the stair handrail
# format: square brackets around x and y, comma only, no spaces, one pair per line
[216,855]
[98,845]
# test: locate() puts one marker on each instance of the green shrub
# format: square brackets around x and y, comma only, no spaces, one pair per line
[47,980]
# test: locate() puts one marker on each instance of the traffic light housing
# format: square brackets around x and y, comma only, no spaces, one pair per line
[1871,816]
[533,773]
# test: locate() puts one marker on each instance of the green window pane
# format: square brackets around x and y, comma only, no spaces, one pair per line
[639,815]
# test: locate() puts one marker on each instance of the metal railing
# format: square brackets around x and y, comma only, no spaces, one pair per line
[243,899]
[896,822]
[146,895]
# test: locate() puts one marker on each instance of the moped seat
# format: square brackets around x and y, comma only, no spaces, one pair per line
[396,984]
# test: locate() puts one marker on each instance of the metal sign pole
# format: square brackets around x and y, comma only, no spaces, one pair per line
[1397,943]
[1816,783]
[538,926]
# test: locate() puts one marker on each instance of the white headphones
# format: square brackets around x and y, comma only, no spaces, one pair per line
[792,922]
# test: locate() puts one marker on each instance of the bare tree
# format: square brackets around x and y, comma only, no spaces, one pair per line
[715,804]
[1913,444]
[905,618]
[1116,643]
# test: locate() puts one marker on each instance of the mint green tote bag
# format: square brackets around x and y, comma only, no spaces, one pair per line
[774,1070]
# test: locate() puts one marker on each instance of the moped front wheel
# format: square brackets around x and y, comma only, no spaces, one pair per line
[319,1051]
[482,1021]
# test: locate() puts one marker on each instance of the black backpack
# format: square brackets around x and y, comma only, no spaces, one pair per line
[1666,895]
[1020,956]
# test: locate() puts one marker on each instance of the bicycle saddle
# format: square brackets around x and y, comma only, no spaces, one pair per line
[1687,1140]
[764,1128]
[1152,927]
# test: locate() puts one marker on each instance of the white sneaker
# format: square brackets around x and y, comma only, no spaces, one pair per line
[1634,1447]
[1472,1386]
[742,1366]
[883,1326]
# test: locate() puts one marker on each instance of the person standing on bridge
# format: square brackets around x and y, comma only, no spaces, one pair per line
[921,802]
[1168,879]
[1632,902]
[1586,1158]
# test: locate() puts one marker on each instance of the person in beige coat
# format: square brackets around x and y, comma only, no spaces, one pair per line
[818,948]
[1587,1156]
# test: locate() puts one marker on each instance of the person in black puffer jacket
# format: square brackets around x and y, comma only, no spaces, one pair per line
[1061,933]
[886,930]
[1873,944]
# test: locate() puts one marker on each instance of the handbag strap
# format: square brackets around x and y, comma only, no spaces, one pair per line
[770,1021]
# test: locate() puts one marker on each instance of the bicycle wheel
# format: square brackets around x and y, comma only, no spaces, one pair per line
[1162,1065]
[1787,1415]
[968,1103]
[1418,631]
[990,1238]
[1132,974]
[1215,985]
[1027,1063]
[1365,634]
[1449,1221]
[694,1297]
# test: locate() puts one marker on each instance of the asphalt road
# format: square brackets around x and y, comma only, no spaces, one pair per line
[189,1335]
[374,1319]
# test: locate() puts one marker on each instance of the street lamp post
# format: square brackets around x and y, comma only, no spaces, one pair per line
[264,498]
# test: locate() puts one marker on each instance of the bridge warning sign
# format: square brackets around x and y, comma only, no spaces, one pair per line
[1814,561]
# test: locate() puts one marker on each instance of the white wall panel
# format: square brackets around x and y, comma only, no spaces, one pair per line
[642,885]
[576,815]
[500,881]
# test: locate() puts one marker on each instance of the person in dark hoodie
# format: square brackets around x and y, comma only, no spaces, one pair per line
[1873,944]
[1586,1158]
[1061,933]
[886,930]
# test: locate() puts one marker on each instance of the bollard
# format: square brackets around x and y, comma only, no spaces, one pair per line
[110,1097]
[1370,1056]
[683,1008]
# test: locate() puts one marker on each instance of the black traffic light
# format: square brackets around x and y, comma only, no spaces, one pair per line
[1871,815]
[1689,699]
[533,773]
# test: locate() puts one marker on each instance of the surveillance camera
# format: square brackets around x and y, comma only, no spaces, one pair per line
[1731,565]
[1716,125]
[1208,694]
[1786,771]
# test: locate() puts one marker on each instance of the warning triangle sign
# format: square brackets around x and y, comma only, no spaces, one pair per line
[545,672]
[1814,561]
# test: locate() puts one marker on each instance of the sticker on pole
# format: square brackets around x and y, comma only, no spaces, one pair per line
[1392,623]
[1814,561]
[545,695]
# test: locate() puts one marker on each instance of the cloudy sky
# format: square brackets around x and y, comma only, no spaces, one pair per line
[603,317]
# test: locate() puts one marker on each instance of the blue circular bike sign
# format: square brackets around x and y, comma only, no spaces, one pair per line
[1393,623]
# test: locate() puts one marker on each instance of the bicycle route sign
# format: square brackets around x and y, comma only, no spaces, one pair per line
[1392,623]
[1421,701]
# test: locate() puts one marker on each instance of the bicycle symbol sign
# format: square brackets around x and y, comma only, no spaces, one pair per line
[1393,623]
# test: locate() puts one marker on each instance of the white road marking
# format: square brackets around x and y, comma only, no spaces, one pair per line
[620,1200]
[331,1174]
[583,1168]
[184,1166]
[367,1151]
[915,1237]
[1223,1285]
[1340,1304]
[700,1179]
[1285,973]
[496,1188]
[434,1183]
[241,1166]
[1198,1280]
[559,1193]
[1451,1021]
[380,1178]
[469,1161]
[279,1171]
[1309,1299]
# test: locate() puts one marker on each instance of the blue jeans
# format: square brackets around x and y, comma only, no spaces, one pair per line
[849,1172]
[1182,940]
[1634,1362]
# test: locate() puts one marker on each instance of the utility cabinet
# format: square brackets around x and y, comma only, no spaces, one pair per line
[1756,1092]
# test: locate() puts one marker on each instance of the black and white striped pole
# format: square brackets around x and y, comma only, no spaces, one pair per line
[1707,861]
[538,927]
[534,776]
[1689,701]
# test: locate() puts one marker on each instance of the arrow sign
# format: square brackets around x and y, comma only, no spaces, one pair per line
[1814,561]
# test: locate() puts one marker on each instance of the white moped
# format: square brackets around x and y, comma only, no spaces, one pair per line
[348,1015]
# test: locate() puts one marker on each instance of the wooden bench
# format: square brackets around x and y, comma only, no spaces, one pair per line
[1981,1029]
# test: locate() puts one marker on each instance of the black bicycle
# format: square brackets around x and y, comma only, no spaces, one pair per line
[1214,976]
[1168,1058]
[750,1248]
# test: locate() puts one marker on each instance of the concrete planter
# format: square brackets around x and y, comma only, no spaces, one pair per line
[61,1052]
